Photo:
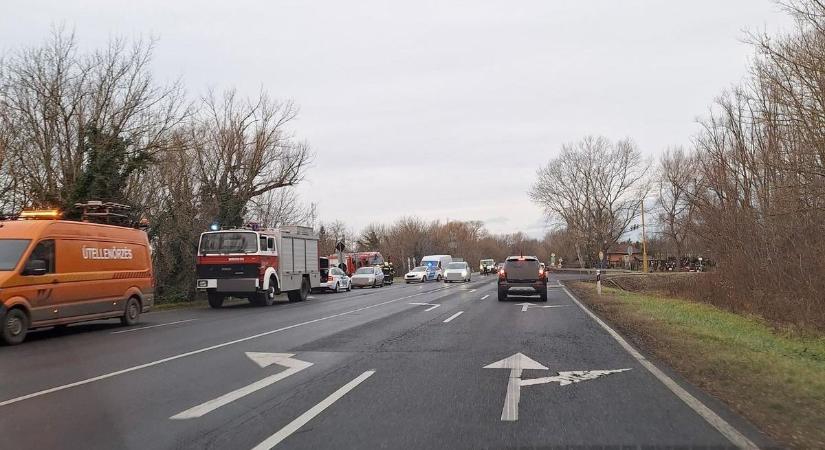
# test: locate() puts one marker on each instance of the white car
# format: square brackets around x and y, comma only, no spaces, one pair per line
[368,276]
[336,281]
[419,274]
[457,271]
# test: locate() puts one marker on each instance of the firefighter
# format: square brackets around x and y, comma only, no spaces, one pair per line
[389,272]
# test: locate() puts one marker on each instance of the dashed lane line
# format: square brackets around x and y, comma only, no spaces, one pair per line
[152,326]
[200,350]
[449,319]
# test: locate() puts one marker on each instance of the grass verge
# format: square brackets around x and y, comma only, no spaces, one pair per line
[775,380]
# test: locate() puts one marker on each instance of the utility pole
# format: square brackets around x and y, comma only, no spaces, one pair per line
[644,240]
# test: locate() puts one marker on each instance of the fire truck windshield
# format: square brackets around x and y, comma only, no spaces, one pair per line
[229,242]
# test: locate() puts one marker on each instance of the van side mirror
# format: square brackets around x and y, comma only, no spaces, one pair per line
[35,267]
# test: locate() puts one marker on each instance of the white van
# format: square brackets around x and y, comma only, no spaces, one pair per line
[435,265]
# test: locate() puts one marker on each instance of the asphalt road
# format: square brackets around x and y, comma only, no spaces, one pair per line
[365,369]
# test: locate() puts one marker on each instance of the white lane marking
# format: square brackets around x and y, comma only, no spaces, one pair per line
[152,326]
[263,360]
[473,290]
[311,413]
[485,296]
[310,297]
[200,350]
[448,319]
[432,306]
[726,429]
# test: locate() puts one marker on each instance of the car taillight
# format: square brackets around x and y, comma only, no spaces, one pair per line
[501,274]
[330,278]
[541,274]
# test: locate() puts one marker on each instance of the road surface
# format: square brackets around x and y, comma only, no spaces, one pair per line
[373,368]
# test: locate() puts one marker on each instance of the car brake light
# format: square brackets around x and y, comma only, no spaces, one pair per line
[502,274]
[330,278]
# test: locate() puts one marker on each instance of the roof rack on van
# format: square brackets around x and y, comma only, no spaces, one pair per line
[110,213]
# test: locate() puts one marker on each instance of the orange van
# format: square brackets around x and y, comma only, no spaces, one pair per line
[56,272]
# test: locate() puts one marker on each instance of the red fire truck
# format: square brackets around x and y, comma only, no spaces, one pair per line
[258,264]
[354,261]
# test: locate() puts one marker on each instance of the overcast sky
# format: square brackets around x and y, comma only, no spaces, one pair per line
[461,101]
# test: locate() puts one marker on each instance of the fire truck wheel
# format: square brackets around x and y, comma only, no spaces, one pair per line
[301,294]
[267,297]
[215,299]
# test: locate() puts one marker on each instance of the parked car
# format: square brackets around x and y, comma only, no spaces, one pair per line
[368,276]
[457,271]
[336,280]
[419,274]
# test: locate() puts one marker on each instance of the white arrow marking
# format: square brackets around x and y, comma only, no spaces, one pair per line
[576,376]
[526,306]
[516,364]
[432,306]
[261,359]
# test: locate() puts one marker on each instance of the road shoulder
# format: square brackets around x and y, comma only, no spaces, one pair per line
[727,356]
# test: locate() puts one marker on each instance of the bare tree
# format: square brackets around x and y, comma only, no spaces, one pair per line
[677,183]
[281,207]
[52,96]
[243,150]
[594,188]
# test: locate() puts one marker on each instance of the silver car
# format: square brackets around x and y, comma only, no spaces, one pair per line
[418,274]
[457,271]
[367,276]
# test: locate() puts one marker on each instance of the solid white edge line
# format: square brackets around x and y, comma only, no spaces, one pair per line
[151,326]
[201,350]
[311,413]
[726,429]
[448,319]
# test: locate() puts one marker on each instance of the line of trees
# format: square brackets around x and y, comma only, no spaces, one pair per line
[76,126]
[412,237]
[748,192]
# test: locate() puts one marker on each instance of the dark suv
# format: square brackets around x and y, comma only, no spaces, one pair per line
[522,275]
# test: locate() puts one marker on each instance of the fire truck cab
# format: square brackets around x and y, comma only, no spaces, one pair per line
[258,264]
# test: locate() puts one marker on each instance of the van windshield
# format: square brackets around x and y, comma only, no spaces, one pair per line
[10,252]
[229,242]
